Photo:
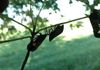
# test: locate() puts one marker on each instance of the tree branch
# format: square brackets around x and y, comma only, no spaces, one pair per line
[34,26]
[42,29]
[18,23]
[61,23]
[14,39]
[31,11]
[25,60]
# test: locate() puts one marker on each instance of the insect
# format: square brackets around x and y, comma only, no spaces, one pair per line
[3,5]
[34,44]
[57,31]
[95,22]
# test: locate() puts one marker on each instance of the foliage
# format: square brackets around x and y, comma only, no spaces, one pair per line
[88,5]
[26,9]
[77,25]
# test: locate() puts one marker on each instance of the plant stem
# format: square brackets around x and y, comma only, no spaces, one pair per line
[34,26]
[61,23]
[25,60]
[18,23]
[14,39]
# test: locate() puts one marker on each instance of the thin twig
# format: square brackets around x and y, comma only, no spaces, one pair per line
[22,25]
[61,23]
[25,60]
[31,11]
[34,26]
[19,23]
[14,39]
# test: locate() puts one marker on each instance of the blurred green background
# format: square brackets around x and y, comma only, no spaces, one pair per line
[76,54]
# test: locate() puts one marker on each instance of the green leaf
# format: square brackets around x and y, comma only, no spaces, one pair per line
[86,2]
[36,1]
[71,26]
[96,2]
[57,31]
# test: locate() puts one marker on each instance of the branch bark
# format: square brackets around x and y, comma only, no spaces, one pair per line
[18,23]
[14,39]
[62,23]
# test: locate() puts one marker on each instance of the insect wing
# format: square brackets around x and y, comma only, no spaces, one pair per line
[95,22]
[40,39]
[57,31]
[33,45]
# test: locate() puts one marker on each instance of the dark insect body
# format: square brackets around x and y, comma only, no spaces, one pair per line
[95,22]
[3,5]
[57,31]
[34,44]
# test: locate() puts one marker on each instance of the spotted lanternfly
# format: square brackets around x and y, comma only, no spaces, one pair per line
[95,22]
[34,44]
[3,5]
[57,31]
